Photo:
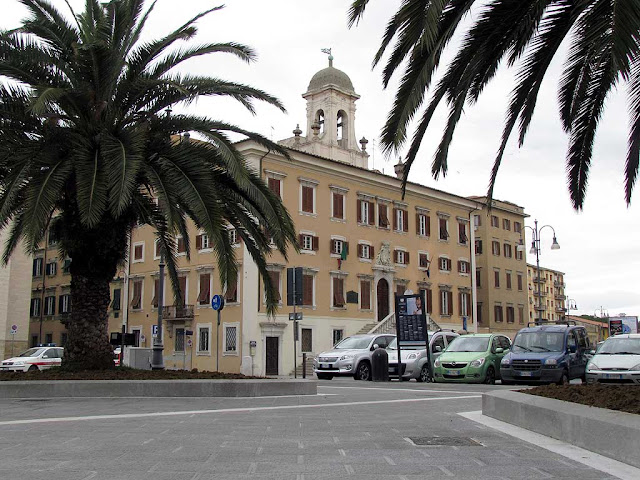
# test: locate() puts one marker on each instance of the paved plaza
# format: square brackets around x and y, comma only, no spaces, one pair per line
[350,430]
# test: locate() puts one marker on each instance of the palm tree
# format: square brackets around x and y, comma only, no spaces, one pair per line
[604,52]
[88,150]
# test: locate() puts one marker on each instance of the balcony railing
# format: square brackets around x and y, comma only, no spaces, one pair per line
[542,294]
[561,297]
[177,312]
[559,284]
[535,280]
[541,308]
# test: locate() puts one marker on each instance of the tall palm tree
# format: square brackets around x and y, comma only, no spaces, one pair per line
[88,150]
[604,52]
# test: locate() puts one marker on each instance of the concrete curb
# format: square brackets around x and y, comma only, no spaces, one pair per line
[607,432]
[157,388]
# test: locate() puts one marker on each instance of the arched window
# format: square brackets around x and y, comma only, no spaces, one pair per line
[342,127]
[320,120]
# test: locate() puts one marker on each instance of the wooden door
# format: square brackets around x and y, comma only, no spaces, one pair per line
[271,366]
[382,294]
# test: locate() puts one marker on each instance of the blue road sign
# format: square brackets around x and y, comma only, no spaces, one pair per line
[464,323]
[217,302]
[154,330]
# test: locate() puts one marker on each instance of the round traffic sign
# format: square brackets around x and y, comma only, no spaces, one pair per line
[217,302]
[14,328]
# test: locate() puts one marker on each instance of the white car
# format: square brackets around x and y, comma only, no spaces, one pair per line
[414,362]
[37,358]
[616,361]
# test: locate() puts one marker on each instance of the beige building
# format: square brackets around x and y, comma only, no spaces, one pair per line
[360,243]
[14,302]
[500,267]
[552,305]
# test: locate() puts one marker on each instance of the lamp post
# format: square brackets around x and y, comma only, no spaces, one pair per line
[571,305]
[535,248]
[157,361]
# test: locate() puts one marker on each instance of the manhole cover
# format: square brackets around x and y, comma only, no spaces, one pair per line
[444,441]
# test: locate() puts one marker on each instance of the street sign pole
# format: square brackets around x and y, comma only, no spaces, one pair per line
[217,342]
[217,303]
[295,327]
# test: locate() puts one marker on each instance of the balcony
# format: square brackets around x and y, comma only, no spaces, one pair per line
[541,308]
[541,280]
[541,294]
[560,310]
[177,312]
[558,284]
[560,297]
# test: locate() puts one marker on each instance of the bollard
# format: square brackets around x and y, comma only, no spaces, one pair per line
[304,365]
[380,365]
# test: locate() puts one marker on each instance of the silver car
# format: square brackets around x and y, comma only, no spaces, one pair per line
[414,362]
[617,361]
[351,357]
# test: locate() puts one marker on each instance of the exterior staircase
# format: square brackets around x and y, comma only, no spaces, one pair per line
[367,328]
[388,325]
[310,374]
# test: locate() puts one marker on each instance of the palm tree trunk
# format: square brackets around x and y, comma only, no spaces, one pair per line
[88,345]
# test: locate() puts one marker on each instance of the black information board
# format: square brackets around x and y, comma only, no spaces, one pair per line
[411,321]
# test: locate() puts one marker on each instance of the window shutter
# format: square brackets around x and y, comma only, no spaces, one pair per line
[274,185]
[275,281]
[182,282]
[459,266]
[331,246]
[395,256]
[429,301]
[60,304]
[450,302]
[359,250]
[300,240]
[372,219]
[406,258]
[441,303]
[198,242]
[405,221]
[345,247]
[428,225]
[371,251]
[460,300]
[417,224]
[359,212]
[467,299]
[307,290]
[316,242]
[395,219]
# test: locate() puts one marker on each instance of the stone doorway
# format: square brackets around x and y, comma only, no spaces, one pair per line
[271,364]
[382,295]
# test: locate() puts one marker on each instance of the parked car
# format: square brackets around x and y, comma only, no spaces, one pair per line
[37,358]
[617,361]
[472,359]
[414,361]
[350,357]
[550,353]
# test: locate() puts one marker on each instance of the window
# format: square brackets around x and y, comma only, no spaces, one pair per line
[365,295]
[428,295]
[136,298]
[182,246]
[204,339]
[517,227]
[306,341]
[138,252]
[307,198]
[179,340]
[184,291]
[506,224]
[383,217]
[48,338]
[519,276]
[477,221]
[338,292]
[34,341]
[462,233]
[478,247]
[494,221]
[507,250]
[233,236]
[307,289]
[51,269]
[365,251]
[115,303]
[508,276]
[510,314]
[231,294]
[465,304]
[497,313]
[63,339]
[423,260]
[365,213]
[204,295]
[463,266]
[423,225]
[156,289]
[203,242]
[66,266]
[446,302]
[401,288]
[479,312]
[401,257]
[438,342]
[50,305]
[230,339]
[275,185]
[308,242]
[519,254]
[274,275]
[156,249]
[400,220]
[338,205]
[35,307]
[443,228]
[64,303]
[338,334]
[444,264]
[478,278]
[521,314]
[495,247]
[37,267]
[496,278]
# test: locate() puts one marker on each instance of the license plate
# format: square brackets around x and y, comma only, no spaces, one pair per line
[454,372]
[525,374]
[613,375]
[325,365]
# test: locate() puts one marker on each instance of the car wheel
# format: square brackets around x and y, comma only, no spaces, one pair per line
[363,372]
[583,378]
[33,368]
[490,377]
[324,376]
[564,380]
[424,374]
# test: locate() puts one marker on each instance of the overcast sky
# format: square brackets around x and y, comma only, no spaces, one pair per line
[597,251]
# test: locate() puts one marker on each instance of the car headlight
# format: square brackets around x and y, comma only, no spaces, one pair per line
[20,362]
[551,361]
[436,363]
[505,361]
[347,356]
[478,362]
[412,356]
[636,368]
[593,366]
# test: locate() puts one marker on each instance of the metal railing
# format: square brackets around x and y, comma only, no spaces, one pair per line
[388,325]
[177,312]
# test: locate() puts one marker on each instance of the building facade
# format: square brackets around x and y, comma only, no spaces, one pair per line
[547,300]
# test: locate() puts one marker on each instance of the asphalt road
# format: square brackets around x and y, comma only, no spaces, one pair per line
[351,430]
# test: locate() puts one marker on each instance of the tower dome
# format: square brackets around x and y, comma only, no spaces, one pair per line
[331,76]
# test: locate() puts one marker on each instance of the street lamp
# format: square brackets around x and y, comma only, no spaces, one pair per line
[571,305]
[535,248]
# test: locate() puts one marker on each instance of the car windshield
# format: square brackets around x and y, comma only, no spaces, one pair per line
[32,352]
[620,346]
[354,343]
[468,344]
[539,342]
[393,345]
